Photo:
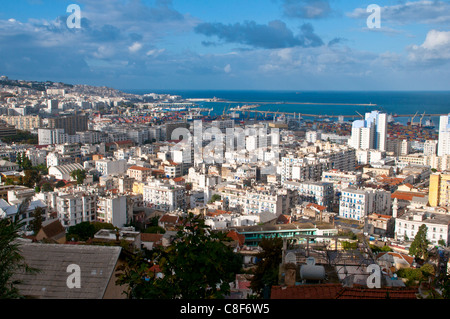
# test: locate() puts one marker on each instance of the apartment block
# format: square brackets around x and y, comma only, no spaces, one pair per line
[359,203]
[439,190]
[112,209]
[73,209]
[164,196]
[320,193]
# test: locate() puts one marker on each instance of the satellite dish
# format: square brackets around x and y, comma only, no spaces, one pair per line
[290,258]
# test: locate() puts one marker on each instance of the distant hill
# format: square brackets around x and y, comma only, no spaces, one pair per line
[70,88]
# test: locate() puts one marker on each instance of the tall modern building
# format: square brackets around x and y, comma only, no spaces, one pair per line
[444,135]
[70,123]
[370,133]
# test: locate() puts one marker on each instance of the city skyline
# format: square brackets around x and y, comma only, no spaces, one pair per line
[252,45]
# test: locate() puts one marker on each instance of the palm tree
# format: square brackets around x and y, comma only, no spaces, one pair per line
[11,261]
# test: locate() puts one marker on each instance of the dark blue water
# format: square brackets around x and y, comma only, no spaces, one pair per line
[391,102]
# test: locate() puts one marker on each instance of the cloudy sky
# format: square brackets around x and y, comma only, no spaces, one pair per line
[229,44]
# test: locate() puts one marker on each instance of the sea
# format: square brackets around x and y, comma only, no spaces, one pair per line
[331,103]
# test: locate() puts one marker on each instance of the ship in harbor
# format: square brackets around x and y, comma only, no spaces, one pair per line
[429,124]
[244,107]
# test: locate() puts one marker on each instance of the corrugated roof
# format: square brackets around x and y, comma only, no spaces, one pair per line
[97,264]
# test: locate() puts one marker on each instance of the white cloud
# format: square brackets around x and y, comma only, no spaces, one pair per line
[155,52]
[411,12]
[436,40]
[135,47]
[436,47]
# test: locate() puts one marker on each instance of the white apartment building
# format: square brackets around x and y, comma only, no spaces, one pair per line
[56,159]
[359,203]
[430,147]
[89,137]
[51,136]
[440,163]
[69,149]
[73,209]
[313,136]
[201,180]
[341,179]
[112,209]
[37,156]
[370,133]
[164,196]
[407,225]
[444,135]
[292,167]
[109,167]
[252,201]
[223,124]
[321,193]
[369,156]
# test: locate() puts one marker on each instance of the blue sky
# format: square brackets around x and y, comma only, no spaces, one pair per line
[229,44]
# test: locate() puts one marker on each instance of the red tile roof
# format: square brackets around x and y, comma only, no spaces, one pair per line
[407,258]
[140,168]
[217,212]
[236,236]
[406,195]
[380,293]
[316,206]
[337,291]
[325,291]
[284,219]
[169,219]
[151,238]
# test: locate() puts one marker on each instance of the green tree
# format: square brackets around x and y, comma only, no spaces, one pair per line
[26,162]
[197,265]
[82,231]
[60,184]
[36,223]
[419,246]
[11,260]
[443,282]
[23,161]
[101,225]
[47,187]
[19,159]
[31,178]
[215,198]
[267,269]
[79,175]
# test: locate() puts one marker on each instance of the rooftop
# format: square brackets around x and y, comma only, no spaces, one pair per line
[97,264]
[337,291]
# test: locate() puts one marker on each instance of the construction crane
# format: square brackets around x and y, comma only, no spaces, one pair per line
[412,119]
[420,122]
[360,115]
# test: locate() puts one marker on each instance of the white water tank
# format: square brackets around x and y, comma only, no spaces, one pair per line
[312,272]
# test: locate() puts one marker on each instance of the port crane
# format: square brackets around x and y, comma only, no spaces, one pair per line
[420,122]
[412,119]
[360,115]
